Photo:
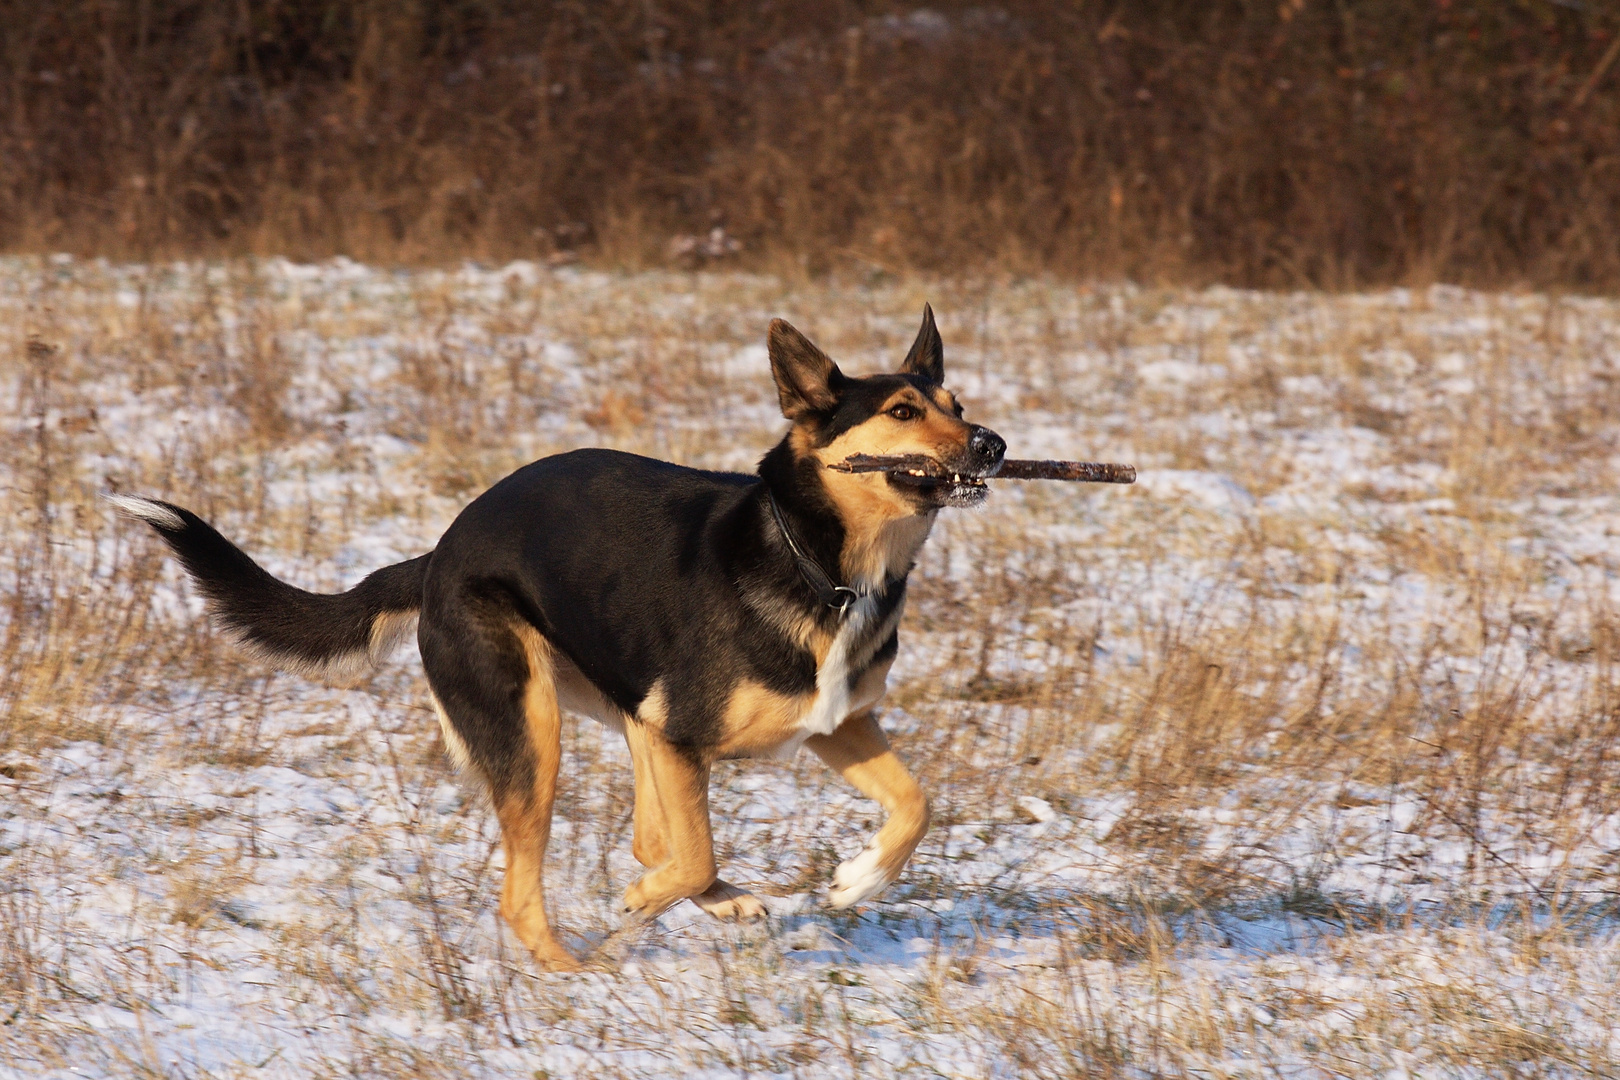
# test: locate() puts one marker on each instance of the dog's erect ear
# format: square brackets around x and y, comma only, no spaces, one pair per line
[806,378]
[927,355]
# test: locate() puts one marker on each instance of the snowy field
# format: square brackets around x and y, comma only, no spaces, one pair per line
[1300,758]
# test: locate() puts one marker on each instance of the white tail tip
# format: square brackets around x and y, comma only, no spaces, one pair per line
[147,510]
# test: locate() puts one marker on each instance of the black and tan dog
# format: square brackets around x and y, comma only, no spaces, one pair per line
[705,615]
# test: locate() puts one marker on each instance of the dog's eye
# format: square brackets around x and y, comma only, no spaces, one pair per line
[956,406]
[904,412]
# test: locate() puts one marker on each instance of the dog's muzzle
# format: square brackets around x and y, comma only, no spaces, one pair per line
[987,449]
[961,482]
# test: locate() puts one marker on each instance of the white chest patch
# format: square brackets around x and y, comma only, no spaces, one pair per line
[853,645]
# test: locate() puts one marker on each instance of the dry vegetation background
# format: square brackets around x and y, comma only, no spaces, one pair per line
[1337,143]
[1298,758]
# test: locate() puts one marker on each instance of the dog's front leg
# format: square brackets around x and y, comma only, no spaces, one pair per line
[679,783]
[651,844]
[860,752]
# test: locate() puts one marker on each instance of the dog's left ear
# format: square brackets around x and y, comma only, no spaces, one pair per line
[927,355]
[807,381]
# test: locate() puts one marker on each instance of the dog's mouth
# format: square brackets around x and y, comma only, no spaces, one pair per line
[943,488]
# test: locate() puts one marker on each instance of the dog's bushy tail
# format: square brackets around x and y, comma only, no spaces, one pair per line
[318,634]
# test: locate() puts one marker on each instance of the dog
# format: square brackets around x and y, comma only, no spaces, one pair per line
[703,615]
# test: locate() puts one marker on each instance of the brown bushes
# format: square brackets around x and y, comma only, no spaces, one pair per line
[1308,143]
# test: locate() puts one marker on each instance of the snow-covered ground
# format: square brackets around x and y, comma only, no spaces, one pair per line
[1301,757]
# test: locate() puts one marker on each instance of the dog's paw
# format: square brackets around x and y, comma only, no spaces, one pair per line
[860,878]
[642,904]
[728,903]
[655,892]
[559,961]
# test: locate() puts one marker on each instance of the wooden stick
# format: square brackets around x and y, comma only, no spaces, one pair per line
[1095,472]
[1011,469]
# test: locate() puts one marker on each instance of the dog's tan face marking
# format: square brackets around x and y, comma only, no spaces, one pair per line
[884,530]
[885,525]
[933,426]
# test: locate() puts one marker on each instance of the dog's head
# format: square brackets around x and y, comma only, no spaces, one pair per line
[910,412]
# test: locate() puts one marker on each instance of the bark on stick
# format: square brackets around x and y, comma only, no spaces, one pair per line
[1095,472]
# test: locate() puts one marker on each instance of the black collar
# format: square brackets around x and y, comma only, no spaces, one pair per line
[838,597]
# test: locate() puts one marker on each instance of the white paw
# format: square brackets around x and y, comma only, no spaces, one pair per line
[860,878]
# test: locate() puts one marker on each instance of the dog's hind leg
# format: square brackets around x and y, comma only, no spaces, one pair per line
[526,817]
[860,752]
[494,688]
[651,847]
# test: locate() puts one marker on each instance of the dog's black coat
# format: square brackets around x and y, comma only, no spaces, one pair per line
[298,628]
[636,570]
[695,609]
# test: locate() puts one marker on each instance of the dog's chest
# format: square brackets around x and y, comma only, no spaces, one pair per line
[838,682]
[759,722]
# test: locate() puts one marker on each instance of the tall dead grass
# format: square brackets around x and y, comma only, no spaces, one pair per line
[1334,144]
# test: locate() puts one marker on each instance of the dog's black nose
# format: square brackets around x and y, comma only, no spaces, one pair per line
[987,445]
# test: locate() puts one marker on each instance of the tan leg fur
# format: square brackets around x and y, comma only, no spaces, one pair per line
[525,818]
[681,786]
[860,752]
[651,846]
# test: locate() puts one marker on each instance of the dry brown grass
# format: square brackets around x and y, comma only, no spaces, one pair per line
[1333,772]
[1277,144]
